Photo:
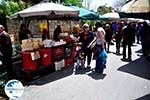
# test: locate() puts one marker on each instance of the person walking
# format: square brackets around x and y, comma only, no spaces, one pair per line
[138,27]
[6,50]
[86,38]
[118,36]
[108,35]
[128,34]
[144,35]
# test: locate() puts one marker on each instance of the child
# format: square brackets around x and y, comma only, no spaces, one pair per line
[80,59]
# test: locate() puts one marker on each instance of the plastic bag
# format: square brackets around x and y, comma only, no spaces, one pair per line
[103,54]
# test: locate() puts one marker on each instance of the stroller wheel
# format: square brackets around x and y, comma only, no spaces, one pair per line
[75,59]
[77,67]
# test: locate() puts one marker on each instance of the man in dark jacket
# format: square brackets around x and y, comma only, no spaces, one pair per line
[128,34]
[6,50]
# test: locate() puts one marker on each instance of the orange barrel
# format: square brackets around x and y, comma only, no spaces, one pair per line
[28,63]
[45,56]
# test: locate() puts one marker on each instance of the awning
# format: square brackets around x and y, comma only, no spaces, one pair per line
[136,9]
[85,13]
[47,9]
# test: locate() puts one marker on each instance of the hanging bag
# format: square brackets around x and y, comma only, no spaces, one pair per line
[103,54]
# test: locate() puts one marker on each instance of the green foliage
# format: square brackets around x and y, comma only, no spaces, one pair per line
[104,9]
[73,2]
[13,7]
[32,2]
[9,7]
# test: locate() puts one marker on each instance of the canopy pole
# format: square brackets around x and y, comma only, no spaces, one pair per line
[48,25]
[70,27]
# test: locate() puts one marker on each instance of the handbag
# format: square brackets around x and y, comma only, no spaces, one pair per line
[103,54]
[95,51]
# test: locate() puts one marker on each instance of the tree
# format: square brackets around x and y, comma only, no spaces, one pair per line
[104,9]
[73,2]
[21,4]
[9,7]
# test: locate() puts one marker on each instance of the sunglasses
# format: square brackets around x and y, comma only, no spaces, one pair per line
[86,27]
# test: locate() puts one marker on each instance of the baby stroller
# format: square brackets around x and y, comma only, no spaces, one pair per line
[79,58]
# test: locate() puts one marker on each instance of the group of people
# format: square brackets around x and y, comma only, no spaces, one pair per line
[143,35]
[102,36]
[93,42]
[89,41]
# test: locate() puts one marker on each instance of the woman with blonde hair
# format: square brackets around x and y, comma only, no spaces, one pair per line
[99,44]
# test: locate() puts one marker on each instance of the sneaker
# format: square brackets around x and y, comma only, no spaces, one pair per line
[88,66]
[129,59]
[123,59]
[104,66]
[98,71]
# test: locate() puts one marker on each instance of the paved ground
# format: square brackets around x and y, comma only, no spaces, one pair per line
[120,81]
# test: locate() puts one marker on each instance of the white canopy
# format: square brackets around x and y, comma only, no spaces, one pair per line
[45,9]
[137,6]
[113,15]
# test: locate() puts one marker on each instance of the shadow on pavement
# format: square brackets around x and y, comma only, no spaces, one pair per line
[82,71]
[126,60]
[139,67]
[139,51]
[97,76]
[146,97]
[134,45]
[117,54]
[54,76]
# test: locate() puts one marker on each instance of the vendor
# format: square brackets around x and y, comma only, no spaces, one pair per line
[45,34]
[57,32]
[24,33]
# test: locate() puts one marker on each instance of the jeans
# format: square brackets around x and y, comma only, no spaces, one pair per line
[100,63]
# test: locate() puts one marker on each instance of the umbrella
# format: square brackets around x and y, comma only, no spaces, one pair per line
[85,13]
[112,15]
[46,9]
[136,9]
[137,6]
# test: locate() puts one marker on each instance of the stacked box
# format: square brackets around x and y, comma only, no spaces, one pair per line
[59,65]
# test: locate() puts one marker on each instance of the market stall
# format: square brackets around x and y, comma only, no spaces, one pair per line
[42,57]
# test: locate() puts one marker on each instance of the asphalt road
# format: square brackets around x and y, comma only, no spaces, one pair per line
[122,80]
